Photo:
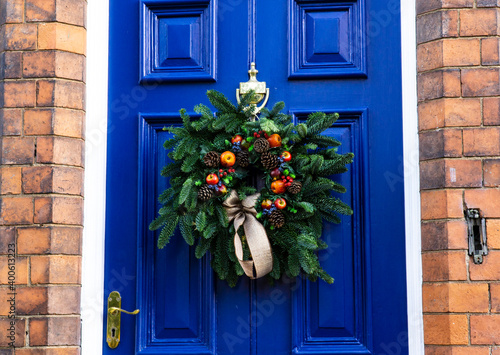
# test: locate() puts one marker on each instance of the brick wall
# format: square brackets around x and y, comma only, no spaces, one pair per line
[42,88]
[459,125]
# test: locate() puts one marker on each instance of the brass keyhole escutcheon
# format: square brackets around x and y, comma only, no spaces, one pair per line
[114,319]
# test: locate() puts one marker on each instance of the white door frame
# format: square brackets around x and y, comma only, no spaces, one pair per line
[95,177]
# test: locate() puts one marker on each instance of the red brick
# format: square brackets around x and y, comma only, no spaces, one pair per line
[441,144]
[66,240]
[480,82]
[489,51]
[489,269]
[59,93]
[485,329]
[18,94]
[37,179]
[12,11]
[48,351]
[33,240]
[67,11]
[495,297]
[438,204]
[10,65]
[16,150]
[64,300]
[58,64]
[62,36]
[59,210]
[455,298]
[11,122]
[38,121]
[57,121]
[446,329]
[55,269]
[7,236]
[488,200]
[43,210]
[16,210]
[491,111]
[430,5]
[60,150]
[55,331]
[448,53]
[10,180]
[18,37]
[443,235]
[481,141]
[21,269]
[449,113]
[450,173]
[444,266]
[45,179]
[492,172]
[31,300]
[437,25]
[456,350]
[437,84]
[493,233]
[20,332]
[51,240]
[478,22]
[40,10]
[72,12]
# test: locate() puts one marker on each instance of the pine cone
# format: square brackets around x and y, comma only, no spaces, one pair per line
[261,145]
[277,219]
[243,158]
[295,187]
[205,193]
[211,159]
[269,161]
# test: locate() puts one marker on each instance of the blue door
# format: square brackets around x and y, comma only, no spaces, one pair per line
[332,56]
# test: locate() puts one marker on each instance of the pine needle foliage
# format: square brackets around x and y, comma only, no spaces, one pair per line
[204,224]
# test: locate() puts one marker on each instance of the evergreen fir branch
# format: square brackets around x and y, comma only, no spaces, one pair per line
[186,228]
[294,263]
[201,221]
[157,222]
[189,163]
[222,216]
[323,141]
[202,247]
[167,231]
[209,231]
[220,102]
[186,188]
[307,241]
[167,195]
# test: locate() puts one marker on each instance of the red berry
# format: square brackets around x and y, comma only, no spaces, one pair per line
[225,173]
[289,178]
[220,170]
[266,135]
[288,184]
[255,134]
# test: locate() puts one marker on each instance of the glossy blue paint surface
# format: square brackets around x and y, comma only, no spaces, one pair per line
[161,54]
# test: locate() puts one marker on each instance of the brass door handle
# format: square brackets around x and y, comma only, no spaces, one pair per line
[114,310]
[114,319]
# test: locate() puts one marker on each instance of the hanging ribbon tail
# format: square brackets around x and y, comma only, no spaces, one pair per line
[243,213]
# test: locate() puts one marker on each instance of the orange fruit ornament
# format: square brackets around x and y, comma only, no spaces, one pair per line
[274,140]
[278,187]
[227,159]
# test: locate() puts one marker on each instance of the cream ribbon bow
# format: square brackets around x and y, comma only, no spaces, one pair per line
[243,213]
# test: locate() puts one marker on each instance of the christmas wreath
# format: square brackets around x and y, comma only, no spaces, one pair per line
[253,192]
